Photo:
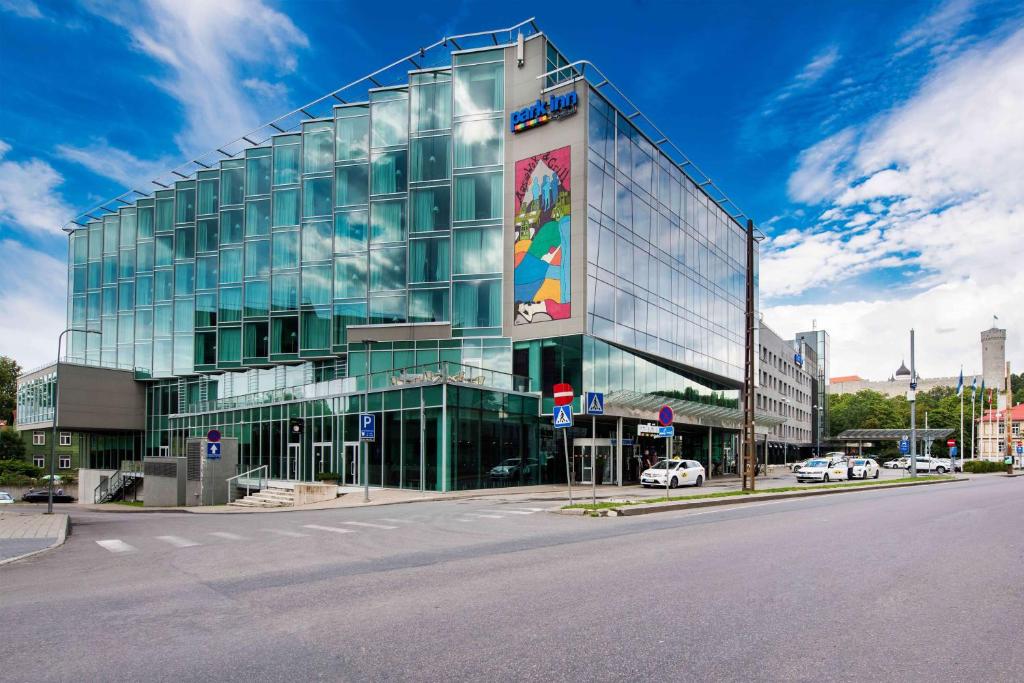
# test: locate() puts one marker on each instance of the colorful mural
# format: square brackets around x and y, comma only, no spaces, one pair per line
[542,241]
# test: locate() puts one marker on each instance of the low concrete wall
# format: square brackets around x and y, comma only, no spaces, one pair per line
[18,491]
[314,493]
[88,480]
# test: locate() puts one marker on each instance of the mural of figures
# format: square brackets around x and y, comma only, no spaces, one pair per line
[542,240]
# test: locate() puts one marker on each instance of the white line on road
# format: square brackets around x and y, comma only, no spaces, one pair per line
[228,535]
[511,512]
[177,541]
[289,534]
[397,521]
[477,514]
[371,526]
[327,528]
[115,545]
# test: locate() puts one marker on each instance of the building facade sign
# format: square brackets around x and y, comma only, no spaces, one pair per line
[541,111]
[542,250]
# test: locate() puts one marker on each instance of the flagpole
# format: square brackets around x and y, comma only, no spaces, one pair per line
[953,463]
[972,423]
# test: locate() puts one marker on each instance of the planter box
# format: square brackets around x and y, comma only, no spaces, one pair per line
[314,493]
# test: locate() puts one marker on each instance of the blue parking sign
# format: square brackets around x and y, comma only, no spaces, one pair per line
[367,427]
[904,446]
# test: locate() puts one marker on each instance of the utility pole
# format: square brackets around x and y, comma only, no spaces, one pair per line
[912,397]
[749,452]
[1008,413]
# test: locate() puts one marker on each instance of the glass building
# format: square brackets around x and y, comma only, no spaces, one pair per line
[438,243]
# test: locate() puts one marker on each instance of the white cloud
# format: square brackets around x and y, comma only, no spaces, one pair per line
[29,200]
[819,65]
[275,91]
[22,8]
[938,29]
[209,49]
[103,159]
[937,179]
[30,281]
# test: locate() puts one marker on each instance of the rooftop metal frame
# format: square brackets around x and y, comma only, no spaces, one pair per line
[640,403]
[890,434]
[391,75]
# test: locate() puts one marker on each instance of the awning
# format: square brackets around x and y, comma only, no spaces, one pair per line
[645,407]
[891,434]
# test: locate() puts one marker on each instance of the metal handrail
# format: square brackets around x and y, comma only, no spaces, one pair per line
[264,476]
[107,487]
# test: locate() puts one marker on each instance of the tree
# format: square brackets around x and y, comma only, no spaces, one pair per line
[12,446]
[9,371]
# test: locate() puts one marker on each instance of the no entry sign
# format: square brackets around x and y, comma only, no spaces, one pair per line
[563,394]
[950,442]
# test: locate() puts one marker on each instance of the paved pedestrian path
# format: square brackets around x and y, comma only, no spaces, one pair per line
[27,533]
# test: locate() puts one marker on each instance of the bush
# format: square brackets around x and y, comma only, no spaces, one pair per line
[20,467]
[12,446]
[328,476]
[9,479]
[983,466]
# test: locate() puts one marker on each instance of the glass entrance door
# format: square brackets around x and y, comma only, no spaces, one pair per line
[323,457]
[581,451]
[290,471]
[352,462]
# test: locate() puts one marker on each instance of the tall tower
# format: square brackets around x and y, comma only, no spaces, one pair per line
[993,356]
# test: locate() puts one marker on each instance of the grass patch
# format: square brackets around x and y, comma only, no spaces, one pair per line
[129,503]
[608,505]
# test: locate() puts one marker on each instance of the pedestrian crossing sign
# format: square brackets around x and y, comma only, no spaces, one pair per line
[563,417]
[595,403]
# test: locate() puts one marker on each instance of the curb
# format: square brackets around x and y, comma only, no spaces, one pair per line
[650,508]
[62,536]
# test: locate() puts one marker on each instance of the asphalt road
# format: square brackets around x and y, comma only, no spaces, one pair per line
[899,585]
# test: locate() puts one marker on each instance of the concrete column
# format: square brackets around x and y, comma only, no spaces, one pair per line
[618,450]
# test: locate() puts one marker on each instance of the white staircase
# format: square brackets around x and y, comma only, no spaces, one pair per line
[270,497]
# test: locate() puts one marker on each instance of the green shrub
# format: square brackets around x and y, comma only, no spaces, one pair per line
[9,479]
[983,466]
[23,467]
[328,476]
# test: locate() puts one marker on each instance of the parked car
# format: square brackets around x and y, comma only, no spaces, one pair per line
[864,468]
[43,496]
[822,469]
[897,464]
[680,472]
[794,466]
[6,498]
[508,469]
[927,463]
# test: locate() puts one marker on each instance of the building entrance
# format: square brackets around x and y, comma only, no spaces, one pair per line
[352,462]
[290,467]
[323,457]
[605,460]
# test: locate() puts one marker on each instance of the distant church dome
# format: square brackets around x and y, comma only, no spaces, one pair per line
[903,371]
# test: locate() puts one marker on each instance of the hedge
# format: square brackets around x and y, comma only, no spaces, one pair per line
[983,466]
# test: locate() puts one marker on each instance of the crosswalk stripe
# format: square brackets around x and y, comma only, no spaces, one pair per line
[463,519]
[177,541]
[228,535]
[397,521]
[115,545]
[371,526]
[289,534]
[533,509]
[477,514]
[327,528]
[510,512]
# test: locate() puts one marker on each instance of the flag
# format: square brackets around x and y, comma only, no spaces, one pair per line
[960,384]
[974,388]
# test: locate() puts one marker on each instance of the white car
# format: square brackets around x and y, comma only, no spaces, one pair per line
[822,469]
[929,464]
[5,498]
[680,473]
[864,468]
[897,464]
[794,466]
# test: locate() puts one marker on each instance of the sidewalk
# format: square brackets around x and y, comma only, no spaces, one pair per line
[26,533]
[556,495]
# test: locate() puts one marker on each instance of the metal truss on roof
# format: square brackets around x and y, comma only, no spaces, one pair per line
[433,55]
[891,434]
[643,406]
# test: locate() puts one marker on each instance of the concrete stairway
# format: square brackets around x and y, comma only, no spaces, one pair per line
[271,497]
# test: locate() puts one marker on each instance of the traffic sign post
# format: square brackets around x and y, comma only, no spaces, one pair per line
[561,417]
[904,445]
[665,417]
[213,450]
[594,406]
[213,436]
[367,427]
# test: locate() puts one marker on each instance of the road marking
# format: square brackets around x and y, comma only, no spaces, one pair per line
[511,512]
[228,535]
[397,521]
[327,528]
[463,519]
[289,534]
[177,541]
[115,545]
[371,526]
[533,509]
[477,514]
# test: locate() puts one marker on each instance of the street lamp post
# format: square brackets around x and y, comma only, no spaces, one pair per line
[817,431]
[56,404]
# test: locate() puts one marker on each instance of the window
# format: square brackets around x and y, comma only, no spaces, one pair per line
[430,209]
[477,250]
[38,438]
[352,133]
[476,304]
[431,101]
[316,196]
[390,121]
[65,438]
[478,197]
[387,269]
[350,231]
[39,461]
[429,158]
[478,143]
[387,221]
[351,185]
[479,88]
[428,260]
[64,462]
[388,172]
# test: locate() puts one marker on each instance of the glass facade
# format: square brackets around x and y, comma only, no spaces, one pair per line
[232,294]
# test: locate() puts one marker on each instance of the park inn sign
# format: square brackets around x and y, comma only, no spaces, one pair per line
[540,112]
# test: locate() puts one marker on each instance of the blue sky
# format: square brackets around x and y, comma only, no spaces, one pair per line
[877,143]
